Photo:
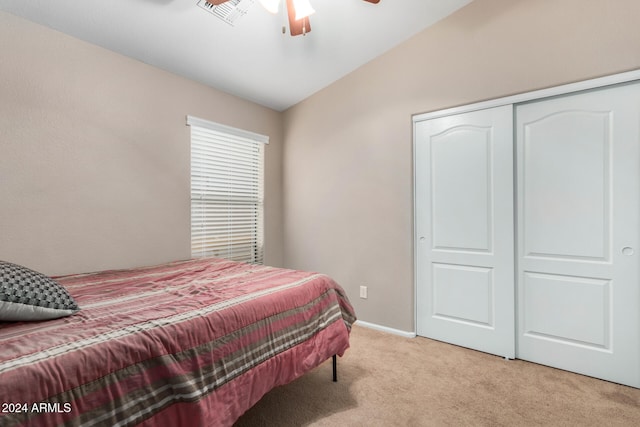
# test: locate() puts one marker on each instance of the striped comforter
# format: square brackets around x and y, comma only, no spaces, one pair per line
[191,343]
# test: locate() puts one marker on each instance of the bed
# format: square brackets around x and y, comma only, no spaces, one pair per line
[188,343]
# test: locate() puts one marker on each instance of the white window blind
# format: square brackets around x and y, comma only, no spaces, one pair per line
[227,192]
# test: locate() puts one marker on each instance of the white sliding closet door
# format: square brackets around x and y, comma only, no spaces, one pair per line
[464,230]
[578,213]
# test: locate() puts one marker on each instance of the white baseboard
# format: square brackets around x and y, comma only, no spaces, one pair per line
[385,329]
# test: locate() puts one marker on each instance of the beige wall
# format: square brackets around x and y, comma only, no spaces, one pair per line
[94,154]
[348,150]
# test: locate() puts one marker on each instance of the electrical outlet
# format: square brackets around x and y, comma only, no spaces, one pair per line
[363,292]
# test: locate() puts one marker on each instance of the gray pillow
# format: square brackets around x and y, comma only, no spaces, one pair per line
[28,295]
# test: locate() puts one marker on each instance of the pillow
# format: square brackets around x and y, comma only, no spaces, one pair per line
[28,295]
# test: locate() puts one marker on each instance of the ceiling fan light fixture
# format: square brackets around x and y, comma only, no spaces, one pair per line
[271,5]
[303,9]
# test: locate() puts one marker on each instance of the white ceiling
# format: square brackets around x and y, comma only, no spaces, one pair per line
[252,59]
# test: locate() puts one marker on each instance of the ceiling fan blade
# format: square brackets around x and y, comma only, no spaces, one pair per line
[373,1]
[218,2]
[301,26]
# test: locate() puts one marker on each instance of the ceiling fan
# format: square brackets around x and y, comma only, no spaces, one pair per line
[298,12]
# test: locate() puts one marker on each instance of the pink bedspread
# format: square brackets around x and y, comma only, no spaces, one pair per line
[191,343]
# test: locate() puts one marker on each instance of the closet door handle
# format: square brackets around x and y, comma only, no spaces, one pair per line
[627,250]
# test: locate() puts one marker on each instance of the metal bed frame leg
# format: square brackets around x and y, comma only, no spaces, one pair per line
[335,368]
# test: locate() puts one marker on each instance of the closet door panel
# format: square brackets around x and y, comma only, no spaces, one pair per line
[566,188]
[464,230]
[461,197]
[578,196]
[588,300]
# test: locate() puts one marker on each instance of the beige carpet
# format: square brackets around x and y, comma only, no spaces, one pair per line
[386,380]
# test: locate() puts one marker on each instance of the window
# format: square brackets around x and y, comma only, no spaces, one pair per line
[227,173]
